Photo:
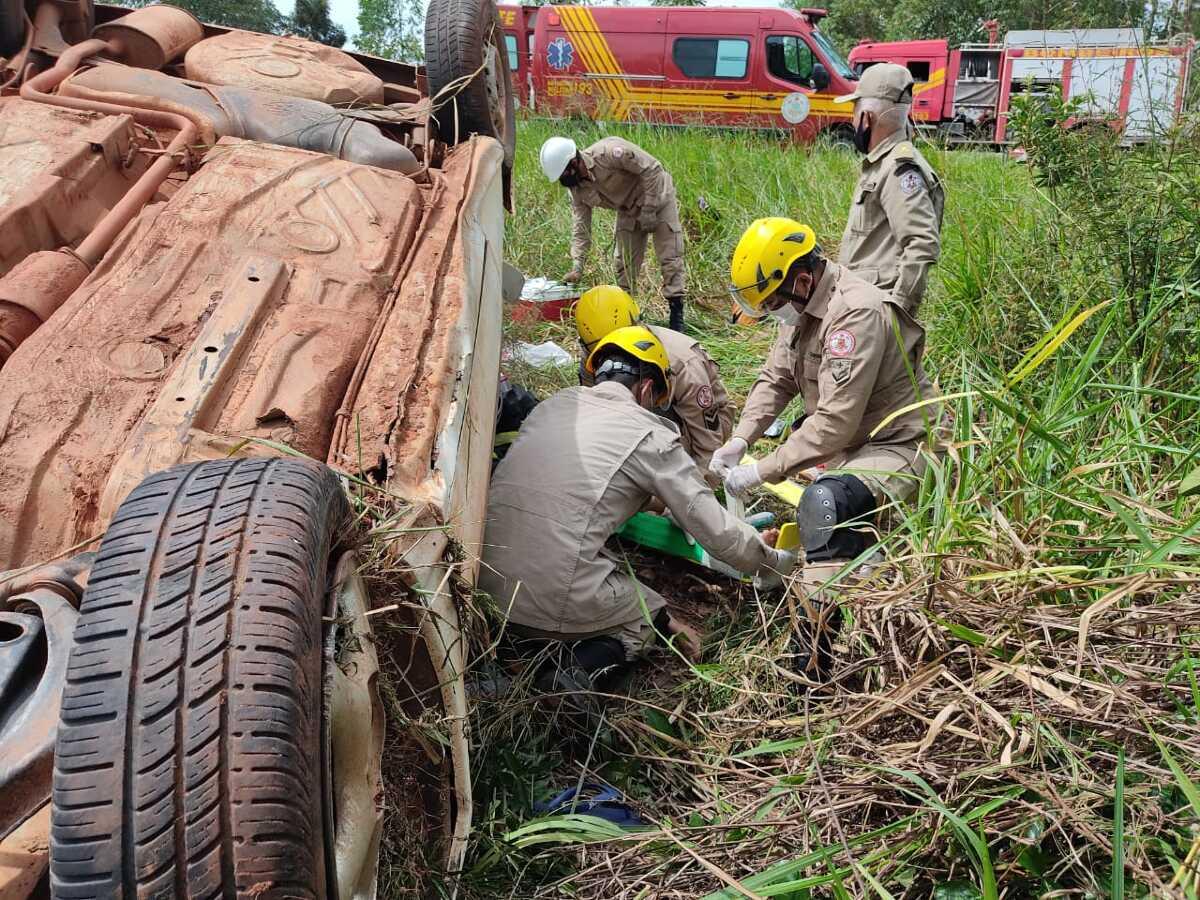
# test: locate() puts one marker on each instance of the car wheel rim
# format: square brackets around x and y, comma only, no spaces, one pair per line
[495,88]
[354,739]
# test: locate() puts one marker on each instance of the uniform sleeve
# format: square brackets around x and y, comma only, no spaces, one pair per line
[581,231]
[676,481]
[850,361]
[907,201]
[695,406]
[649,170]
[771,392]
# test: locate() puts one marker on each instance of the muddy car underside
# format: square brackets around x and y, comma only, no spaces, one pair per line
[242,278]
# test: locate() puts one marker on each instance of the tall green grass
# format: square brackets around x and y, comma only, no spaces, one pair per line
[1045,572]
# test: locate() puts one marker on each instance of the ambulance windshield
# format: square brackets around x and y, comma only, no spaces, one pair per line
[835,59]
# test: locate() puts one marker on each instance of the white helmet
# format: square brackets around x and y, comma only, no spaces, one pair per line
[557,152]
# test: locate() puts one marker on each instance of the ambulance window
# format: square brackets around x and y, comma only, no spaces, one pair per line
[789,58]
[919,70]
[711,57]
[510,44]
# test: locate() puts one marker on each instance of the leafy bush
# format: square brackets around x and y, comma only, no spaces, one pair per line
[1128,217]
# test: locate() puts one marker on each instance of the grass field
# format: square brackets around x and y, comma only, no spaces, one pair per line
[1016,703]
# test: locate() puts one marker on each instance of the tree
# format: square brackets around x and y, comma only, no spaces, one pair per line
[393,29]
[253,15]
[850,21]
[312,20]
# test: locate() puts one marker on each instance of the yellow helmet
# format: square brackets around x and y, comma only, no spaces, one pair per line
[602,309]
[639,342]
[762,258]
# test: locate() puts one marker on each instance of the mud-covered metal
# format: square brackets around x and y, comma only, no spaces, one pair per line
[32,291]
[244,113]
[61,171]
[240,297]
[286,65]
[150,37]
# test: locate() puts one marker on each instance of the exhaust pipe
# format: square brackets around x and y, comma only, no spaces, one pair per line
[34,289]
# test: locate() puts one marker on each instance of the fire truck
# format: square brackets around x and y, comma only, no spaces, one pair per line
[965,94]
[768,69]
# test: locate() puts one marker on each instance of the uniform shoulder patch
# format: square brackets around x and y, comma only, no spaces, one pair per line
[840,343]
[911,181]
[840,370]
[704,397]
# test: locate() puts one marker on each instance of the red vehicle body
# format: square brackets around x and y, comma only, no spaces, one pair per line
[518,22]
[965,92]
[733,68]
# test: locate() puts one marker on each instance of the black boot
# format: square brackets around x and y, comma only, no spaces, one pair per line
[676,304]
[813,644]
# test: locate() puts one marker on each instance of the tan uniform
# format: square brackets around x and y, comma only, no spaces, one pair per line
[893,234]
[853,371]
[699,402]
[586,460]
[626,178]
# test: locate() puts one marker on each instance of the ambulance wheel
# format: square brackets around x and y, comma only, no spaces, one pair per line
[466,64]
[190,757]
[12,26]
[840,137]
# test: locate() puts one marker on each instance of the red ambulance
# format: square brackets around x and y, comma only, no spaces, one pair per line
[1134,87]
[730,68]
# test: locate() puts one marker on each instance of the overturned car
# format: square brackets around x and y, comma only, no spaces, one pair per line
[245,281]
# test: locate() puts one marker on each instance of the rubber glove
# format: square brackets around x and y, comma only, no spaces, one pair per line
[772,574]
[674,521]
[741,479]
[728,456]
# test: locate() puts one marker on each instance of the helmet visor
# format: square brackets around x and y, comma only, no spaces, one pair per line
[754,312]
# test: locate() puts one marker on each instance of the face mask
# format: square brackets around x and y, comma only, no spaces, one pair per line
[862,138]
[568,179]
[787,315]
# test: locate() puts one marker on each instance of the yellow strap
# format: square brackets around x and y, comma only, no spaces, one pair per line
[789,536]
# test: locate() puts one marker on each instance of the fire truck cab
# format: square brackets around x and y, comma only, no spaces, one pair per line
[1134,87]
[730,68]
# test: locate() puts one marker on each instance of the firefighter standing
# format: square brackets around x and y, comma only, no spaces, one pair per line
[616,174]
[699,402]
[854,354]
[585,460]
[893,234]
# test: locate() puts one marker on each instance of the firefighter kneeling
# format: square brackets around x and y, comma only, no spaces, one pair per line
[585,460]
[854,354]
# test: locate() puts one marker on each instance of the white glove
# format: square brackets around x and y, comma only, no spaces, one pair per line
[727,457]
[674,521]
[741,479]
[772,574]
[784,561]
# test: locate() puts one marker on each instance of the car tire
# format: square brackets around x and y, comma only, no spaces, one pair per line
[79,18]
[12,26]
[464,39]
[189,753]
